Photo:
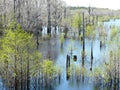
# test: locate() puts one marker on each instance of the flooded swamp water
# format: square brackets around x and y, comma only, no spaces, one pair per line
[79,78]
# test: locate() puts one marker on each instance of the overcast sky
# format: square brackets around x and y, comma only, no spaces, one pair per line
[112,4]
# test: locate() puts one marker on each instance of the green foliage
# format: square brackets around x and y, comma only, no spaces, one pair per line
[114,39]
[77,20]
[114,33]
[90,31]
[35,64]
[17,49]
[49,69]
[69,71]
[104,18]
[15,41]
[83,53]
[101,18]
[84,71]
[98,71]
[77,70]
[61,39]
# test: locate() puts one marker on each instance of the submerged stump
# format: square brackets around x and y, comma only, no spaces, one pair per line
[75,58]
[68,67]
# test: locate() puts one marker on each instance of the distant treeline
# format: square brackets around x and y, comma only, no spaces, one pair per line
[83,7]
[77,7]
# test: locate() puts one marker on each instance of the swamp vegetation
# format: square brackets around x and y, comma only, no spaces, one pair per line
[45,45]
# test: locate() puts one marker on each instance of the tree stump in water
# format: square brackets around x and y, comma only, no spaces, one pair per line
[91,57]
[91,69]
[59,77]
[100,44]
[68,67]
[75,58]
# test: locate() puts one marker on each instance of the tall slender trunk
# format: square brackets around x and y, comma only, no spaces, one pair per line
[83,56]
[83,53]
[21,74]
[91,55]
[55,17]
[37,41]
[79,28]
[28,69]
[19,9]
[96,19]
[65,13]
[14,9]
[6,72]
[41,29]
[115,74]
[5,13]
[111,59]
[28,73]
[15,64]
[28,14]
[93,19]
[67,67]
[49,18]
[118,74]
[89,11]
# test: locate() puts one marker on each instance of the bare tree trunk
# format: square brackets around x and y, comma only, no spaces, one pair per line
[89,11]
[118,76]
[96,19]
[49,18]
[19,13]
[93,19]
[16,85]
[79,26]
[15,65]
[67,67]
[37,32]
[28,74]
[65,13]
[55,18]
[83,56]
[115,74]
[83,53]
[21,74]
[28,14]
[5,13]
[14,9]
[6,72]
[91,55]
